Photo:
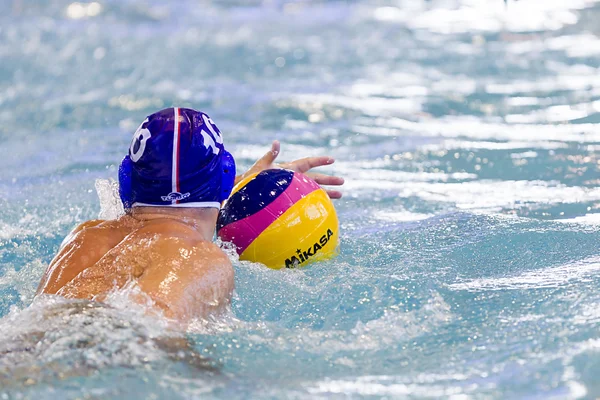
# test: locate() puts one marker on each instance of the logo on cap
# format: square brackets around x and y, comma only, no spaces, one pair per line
[175,196]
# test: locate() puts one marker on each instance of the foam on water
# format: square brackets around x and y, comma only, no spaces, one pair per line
[55,341]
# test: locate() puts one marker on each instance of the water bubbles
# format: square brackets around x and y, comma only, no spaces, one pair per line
[315,117]
[389,14]
[99,53]
[81,10]
[299,54]
[280,62]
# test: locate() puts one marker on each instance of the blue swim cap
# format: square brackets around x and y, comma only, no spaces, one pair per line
[176,159]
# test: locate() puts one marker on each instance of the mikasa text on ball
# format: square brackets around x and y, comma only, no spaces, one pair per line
[280,218]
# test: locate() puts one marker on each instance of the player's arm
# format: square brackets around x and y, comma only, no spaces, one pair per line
[79,228]
[71,248]
[302,165]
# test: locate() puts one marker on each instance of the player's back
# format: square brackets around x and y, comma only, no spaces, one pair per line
[182,273]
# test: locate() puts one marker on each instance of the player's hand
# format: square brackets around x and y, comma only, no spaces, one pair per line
[302,165]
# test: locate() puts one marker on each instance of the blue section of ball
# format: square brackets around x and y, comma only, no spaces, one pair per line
[255,195]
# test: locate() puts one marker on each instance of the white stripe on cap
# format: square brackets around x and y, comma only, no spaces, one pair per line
[175,164]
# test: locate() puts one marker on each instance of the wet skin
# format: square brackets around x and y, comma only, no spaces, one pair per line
[170,259]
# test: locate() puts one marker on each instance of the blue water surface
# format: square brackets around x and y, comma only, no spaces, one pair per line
[468,132]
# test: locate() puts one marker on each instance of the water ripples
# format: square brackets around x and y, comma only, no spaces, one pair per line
[468,135]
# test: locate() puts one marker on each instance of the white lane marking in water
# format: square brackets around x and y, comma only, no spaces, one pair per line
[543,278]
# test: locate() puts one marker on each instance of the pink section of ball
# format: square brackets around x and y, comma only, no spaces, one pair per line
[243,232]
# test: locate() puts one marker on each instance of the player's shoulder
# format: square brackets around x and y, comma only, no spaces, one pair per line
[101,225]
[79,231]
[87,224]
[96,229]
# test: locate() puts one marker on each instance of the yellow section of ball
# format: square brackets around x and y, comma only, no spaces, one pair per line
[307,232]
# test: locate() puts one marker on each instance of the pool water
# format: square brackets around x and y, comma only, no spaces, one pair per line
[468,132]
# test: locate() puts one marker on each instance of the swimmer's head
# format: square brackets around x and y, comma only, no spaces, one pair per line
[176,159]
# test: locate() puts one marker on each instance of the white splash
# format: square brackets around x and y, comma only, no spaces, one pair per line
[110,202]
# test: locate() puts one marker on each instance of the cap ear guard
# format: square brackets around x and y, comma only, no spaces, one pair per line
[125,182]
[228,177]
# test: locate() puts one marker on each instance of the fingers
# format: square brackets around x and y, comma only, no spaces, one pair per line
[275,148]
[323,179]
[334,194]
[305,164]
[265,162]
[270,155]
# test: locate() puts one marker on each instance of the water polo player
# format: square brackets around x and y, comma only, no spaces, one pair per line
[172,183]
